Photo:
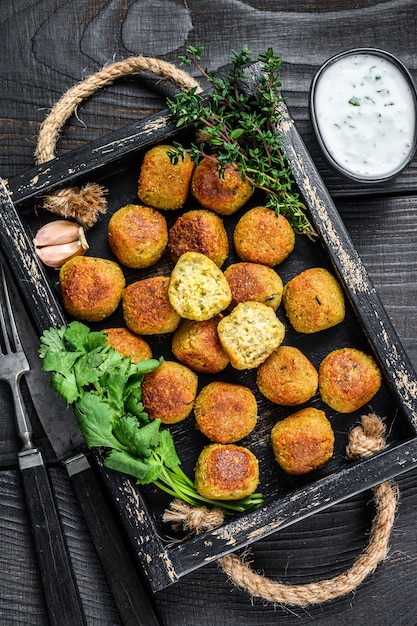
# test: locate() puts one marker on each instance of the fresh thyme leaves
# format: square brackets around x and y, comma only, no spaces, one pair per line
[241,130]
[105,389]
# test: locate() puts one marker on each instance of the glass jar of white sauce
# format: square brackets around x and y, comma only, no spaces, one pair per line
[363,106]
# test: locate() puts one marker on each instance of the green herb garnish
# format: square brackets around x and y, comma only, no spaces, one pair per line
[354,101]
[105,389]
[242,130]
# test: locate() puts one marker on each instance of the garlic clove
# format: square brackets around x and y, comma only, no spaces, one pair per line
[57,255]
[57,232]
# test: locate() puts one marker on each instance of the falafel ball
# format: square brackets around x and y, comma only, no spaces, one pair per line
[169,391]
[287,377]
[163,184]
[225,412]
[226,472]
[261,236]
[128,344]
[303,441]
[197,345]
[250,334]
[147,309]
[313,301]
[198,289]
[222,192]
[254,282]
[91,287]
[202,231]
[348,379]
[137,235]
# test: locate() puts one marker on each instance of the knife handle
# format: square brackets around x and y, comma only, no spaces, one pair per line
[58,581]
[129,592]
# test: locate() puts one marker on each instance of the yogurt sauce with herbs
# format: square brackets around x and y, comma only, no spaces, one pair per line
[365,112]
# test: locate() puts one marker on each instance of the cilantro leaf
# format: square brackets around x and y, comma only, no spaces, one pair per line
[145,471]
[95,418]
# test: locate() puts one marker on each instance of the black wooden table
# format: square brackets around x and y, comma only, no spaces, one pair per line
[46,47]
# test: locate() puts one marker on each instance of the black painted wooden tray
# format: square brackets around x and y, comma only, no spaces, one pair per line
[114,161]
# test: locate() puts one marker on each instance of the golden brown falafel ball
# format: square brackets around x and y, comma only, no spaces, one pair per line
[199,231]
[162,184]
[260,236]
[198,289]
[128,344]
[249,334]
[348,379]
[91,287]
[254,282]
[146,307]
[287,377]
[137,235]
[197,345]
[303,441]
[169,391]
[225,412]
[313,301]
[226,472]
[224,193]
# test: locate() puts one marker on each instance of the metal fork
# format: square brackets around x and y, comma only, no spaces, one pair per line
[59,585]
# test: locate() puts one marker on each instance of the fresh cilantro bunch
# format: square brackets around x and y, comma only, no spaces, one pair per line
[238,129]
[105,389]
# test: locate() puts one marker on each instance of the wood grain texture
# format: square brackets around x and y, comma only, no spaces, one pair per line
[45,47]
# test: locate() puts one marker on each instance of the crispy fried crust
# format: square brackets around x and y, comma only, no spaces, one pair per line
[137,235]
[260,236]
[254,282]
[128,344]
[161,184]
[197,345]
[222,193]
[287,377]
[199,231]
[147,309]
[348,379]
[91,287]
[303,441]
[226,472]
[225,412]
[168,393]
[313,301]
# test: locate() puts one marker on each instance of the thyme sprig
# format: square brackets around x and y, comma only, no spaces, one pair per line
[236,129]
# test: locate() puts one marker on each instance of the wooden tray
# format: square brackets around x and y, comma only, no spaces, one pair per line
[114,161]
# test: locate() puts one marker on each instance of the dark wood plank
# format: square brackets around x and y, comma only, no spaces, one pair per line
[44,49]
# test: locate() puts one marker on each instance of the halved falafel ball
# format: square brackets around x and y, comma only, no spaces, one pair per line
[303,441]
[226,472]
[250,334]
[169,391]
[91,287]
[198,289]
[137,235]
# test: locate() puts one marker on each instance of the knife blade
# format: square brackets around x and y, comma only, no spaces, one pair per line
[129,591]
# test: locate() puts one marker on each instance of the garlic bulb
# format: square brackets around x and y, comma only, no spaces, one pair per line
[59,241]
